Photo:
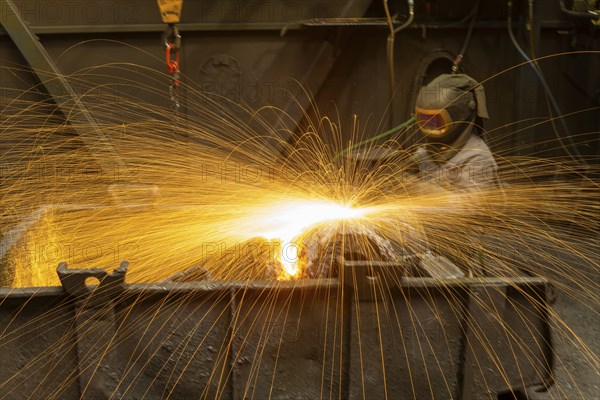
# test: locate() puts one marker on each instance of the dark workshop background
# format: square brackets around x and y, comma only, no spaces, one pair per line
[238,49]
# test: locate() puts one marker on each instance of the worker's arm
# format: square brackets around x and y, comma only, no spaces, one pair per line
[465,183]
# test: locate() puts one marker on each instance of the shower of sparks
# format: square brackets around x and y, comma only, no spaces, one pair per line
[290,220]
[212,192]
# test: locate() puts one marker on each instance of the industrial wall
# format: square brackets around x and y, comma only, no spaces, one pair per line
[274,52]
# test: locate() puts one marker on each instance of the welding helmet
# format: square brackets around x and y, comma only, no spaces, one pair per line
[448,106]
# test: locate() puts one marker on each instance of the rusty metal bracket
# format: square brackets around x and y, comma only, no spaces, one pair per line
[74,283]
[99,367]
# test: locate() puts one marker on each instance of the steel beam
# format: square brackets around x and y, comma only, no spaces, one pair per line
[266,26]
[59,88]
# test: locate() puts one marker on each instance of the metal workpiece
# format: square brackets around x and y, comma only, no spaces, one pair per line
[459,338]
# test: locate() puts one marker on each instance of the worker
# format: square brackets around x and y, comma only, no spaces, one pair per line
[455,160]
[454,156]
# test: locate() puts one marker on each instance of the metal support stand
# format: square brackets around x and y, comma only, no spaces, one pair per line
[99,367]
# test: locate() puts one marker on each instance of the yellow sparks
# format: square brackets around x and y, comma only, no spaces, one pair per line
[289,221]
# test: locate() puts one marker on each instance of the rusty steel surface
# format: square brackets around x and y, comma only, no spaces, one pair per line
[467,338]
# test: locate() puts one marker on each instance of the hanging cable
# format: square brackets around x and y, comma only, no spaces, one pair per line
[551,98]
[533,57]
[390,48]
[411,17]
[463,49]
[392,36]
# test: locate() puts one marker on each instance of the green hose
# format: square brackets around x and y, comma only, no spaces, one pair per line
[381,135]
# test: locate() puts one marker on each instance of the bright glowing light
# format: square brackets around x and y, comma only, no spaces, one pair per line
[290,220]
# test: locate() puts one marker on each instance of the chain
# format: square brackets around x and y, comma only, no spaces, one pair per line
[172,40]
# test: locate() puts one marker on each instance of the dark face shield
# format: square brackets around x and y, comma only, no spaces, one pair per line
[433,122]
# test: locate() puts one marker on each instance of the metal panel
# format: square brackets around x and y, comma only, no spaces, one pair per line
[303,340]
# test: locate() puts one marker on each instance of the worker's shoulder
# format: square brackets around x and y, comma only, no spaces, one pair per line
[474,150]
[476,145]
